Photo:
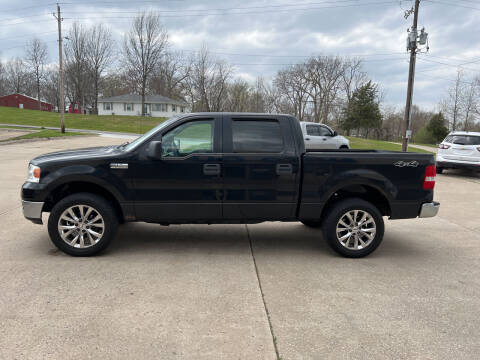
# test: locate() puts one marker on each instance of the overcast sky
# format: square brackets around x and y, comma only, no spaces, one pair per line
[260,37]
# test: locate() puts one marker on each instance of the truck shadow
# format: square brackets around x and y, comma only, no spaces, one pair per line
[267,238]
[462,173]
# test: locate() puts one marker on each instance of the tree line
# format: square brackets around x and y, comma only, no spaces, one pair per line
[335,90]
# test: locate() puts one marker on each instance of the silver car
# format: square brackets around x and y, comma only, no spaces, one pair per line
[460,149]
[320,136]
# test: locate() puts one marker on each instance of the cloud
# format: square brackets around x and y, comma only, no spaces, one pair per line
[378,31]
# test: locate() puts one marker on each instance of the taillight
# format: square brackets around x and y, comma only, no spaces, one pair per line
[478,148]
[443,146]
[429,180]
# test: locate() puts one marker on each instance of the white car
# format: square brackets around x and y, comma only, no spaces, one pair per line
[320,136]
[460,149]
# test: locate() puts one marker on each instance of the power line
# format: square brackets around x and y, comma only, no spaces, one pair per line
[23,22]
[454,4]
[290,56]
[239,13]
[442,78]
[24,36]
[22,46]
[27,7]
[355,3]
[445,64]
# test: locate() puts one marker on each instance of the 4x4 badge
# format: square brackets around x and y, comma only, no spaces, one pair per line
[402,163]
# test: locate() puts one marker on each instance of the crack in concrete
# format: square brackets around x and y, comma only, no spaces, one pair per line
[267,313]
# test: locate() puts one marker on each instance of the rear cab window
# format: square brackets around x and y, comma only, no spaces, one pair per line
[256,136]
[463,139]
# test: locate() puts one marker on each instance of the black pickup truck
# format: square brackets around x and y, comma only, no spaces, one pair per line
[226,168]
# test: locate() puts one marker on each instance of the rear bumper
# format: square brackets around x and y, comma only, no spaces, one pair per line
[429,209]
[451,164]
[32,211]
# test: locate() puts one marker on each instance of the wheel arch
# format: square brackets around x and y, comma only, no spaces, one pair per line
[75,187]
[365,192]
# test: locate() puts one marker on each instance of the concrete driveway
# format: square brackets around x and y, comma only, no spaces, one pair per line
[237,292]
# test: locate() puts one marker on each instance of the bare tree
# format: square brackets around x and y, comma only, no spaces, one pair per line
[207,84]
[293,84]
[324,74]
[451,105]
[51,84]
[3,80]
[99,53]
[16,76]
[77,74]
[169,76]
[36,56]
[353,76]
[143,49]
[469,104]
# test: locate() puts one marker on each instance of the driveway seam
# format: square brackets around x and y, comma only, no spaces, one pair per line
[267,313]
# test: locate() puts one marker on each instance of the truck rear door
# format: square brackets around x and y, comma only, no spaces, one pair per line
[261,168]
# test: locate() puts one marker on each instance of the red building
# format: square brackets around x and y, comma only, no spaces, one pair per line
[75,108]
[23,102]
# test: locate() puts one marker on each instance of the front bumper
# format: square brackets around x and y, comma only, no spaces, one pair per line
[429,209]
[32,210]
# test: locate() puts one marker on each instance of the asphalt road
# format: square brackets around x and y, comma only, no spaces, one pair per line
[200,292]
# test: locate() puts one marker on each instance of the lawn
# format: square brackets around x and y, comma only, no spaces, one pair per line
[44,134]
[135,124]
[360,143]
[131,124]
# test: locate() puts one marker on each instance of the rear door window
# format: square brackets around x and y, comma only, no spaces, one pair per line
[313,130]
[251,136]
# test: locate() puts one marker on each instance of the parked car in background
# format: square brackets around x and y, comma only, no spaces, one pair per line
[460,149]
[320,136]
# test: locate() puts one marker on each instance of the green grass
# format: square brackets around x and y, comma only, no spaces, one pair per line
[43,134]
[369,144]
[131,124]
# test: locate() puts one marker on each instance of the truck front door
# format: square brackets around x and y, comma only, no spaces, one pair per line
[185,184]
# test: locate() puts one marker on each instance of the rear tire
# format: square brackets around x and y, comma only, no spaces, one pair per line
[82,224]
[353,227]
[344,147]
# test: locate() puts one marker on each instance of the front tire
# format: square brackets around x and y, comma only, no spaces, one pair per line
[82,224]
[354,228]
[439,170]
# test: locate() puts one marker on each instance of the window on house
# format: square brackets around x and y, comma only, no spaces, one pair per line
[182,109]
[127,107]
[159,107]
[174,108]
[107,106]
[145,108]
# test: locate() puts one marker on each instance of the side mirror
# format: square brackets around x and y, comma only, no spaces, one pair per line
[154,150]
[335,134]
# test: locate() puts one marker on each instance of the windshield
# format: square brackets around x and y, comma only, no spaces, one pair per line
[150,132]
[463,139]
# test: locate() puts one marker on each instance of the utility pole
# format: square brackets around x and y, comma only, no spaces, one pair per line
[60,61]
[412,46]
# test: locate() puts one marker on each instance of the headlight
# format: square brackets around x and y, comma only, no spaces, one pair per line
[33,173]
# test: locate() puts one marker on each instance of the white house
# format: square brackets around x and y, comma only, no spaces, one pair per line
[131,104]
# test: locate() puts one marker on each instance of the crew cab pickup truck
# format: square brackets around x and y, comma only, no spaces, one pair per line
[230,168]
